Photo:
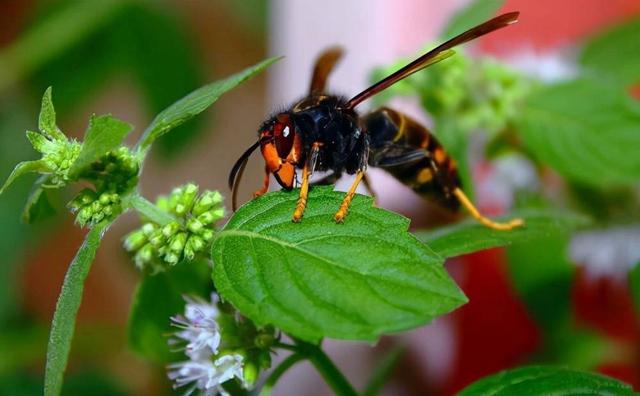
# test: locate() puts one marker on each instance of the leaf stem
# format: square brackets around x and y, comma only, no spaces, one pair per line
[64,317]
[279,371]
[329,371]
[148,209]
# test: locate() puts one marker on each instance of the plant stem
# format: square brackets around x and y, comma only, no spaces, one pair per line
[331,374]
[148,209]
[383,371]
[278,372]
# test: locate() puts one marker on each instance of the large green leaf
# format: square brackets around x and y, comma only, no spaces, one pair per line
[473,14]
[546,380]
[64,317]
[149,320]
[615,52]
[470,236]
[195,103]
[356,280]
[586,130]
[104,134]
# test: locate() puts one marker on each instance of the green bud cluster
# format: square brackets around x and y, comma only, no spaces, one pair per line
[113,175]
[157,246]
[477,95]
[116,171]
[58,154]
[92,208]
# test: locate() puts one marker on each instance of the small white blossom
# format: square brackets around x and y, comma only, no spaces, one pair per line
[200,330]
[206,376]
[607,252]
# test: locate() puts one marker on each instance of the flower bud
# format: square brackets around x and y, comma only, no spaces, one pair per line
[177,242]
[194,225]
[148,229]
[207,200]
[264,340]
[206,235]
[249,374]
[171,258]
[84,216]
[196,243]
[207,217]
[144,256]
[135,240]
[170,229]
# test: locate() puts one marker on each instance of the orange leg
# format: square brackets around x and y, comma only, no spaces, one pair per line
[304,193]
[344,206]
[464,200]
[265,185]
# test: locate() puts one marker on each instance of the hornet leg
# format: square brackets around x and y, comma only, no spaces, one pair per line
[344,206]
[464,200]
[265,186]
[304,187]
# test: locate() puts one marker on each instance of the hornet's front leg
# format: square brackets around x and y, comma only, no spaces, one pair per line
[304,187]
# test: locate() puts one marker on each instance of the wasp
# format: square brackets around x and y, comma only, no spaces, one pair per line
[324,133]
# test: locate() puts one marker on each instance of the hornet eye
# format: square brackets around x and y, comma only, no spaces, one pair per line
[283,137]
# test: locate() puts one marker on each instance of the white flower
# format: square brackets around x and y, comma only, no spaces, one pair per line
[199,328]
[607,252]
[206,376]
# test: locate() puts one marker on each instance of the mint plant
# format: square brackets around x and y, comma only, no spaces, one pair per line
[215,302]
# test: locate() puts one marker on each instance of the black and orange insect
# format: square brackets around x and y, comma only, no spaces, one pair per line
[323,132]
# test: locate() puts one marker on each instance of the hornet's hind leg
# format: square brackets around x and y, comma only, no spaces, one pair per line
[344,206]
[473,211]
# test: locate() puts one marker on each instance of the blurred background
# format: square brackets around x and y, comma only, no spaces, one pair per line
[564,300]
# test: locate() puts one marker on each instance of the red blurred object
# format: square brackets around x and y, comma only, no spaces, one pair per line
[547,24]
[606,305]
[494,329]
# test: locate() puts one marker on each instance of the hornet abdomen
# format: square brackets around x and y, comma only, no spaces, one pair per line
[408,151]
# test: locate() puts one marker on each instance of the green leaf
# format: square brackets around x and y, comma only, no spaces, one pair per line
[38,206]
[149,320]
[615,52]
[104,134]
[473,14]
[47,119]
[314,279]
[195,103]
[470,236]
[586,130]
[24,168]
[546,380]
[64,317]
